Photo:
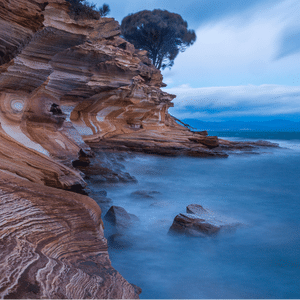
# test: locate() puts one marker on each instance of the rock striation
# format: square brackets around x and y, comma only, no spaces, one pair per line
[52,245]
[65,86]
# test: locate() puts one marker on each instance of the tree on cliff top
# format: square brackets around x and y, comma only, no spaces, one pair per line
[81,9]
[162,33]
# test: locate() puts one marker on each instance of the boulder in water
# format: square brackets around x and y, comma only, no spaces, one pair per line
[143,194]
[191,225]
[119,241]
[195,209]
[199,222]
[119,217]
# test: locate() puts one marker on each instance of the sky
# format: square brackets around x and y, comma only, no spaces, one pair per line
[244,65]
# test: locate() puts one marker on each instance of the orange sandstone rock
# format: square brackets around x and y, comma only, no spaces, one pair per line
[52,245]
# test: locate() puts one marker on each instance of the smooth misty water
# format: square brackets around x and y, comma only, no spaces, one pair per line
[261,259]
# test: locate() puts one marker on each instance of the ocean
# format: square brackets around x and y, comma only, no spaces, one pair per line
[259,259]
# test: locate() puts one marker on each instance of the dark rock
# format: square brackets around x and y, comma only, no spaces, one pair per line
[82,161]
[102,199]
[137,289]
[55,109]
[119,217]
[199,222]
[195,209]
[261,143]
[192,226]
[209,141]
[144,194]
[126,177]
[102,193]
[118,241]
[160,204]
[204,132]
[134,218]
[78,188]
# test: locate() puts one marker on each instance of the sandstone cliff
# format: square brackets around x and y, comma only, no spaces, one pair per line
[52,245]
[66,86]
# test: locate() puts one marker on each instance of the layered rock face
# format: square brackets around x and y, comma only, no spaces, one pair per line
[109,93]
[52,245]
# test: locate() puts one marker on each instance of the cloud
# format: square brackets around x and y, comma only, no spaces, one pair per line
[220,103]
[289,42]
[244,48]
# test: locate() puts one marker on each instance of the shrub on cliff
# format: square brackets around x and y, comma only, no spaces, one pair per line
[81,9]
[162,33]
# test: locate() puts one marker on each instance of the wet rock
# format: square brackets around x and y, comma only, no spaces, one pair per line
[102,193]
[245,147]
[192,225]
[137,289]
[204,132]
[119,241]
[160,204]
[134,218]
[82,161]
[209,141]
[143,194]
[195,209]
[107,168]
[199,222]
[119,217]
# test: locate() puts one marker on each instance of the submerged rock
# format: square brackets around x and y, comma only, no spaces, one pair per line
[102,193]
[137,289]
[160,204]
[120,218]
[119,241]
[199,222]
[143,194]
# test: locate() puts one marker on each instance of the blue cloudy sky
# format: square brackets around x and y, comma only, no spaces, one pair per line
[245,64]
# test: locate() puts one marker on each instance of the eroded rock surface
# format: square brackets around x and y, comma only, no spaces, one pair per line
[108,93]
[52,245]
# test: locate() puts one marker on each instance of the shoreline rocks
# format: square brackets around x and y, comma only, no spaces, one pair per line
[120,218]
[198,222]
[144,194]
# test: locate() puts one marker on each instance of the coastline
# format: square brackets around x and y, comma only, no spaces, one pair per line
[67,86]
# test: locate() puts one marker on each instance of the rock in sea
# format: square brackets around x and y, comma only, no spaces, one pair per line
[143,194]
[199,222]
[120,218]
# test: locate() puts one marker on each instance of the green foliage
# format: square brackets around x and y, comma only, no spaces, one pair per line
[161,33]
[81,9]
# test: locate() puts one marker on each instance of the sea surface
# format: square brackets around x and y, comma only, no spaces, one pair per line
[260,259]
